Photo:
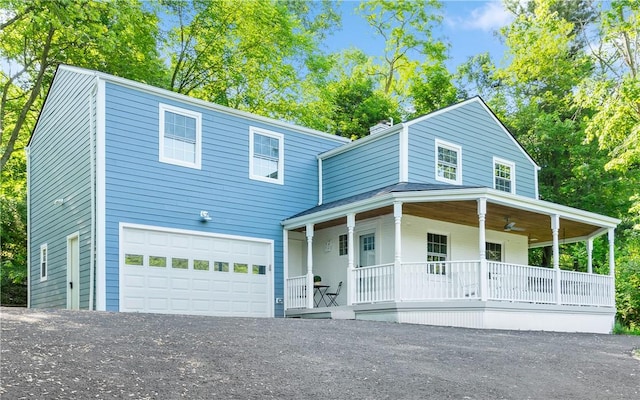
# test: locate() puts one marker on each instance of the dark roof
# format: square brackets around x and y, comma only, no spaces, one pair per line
[398,187]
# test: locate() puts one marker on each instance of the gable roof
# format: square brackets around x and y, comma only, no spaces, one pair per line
[186,99]
[405,125]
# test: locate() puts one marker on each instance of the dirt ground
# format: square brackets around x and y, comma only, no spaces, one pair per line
[47,354]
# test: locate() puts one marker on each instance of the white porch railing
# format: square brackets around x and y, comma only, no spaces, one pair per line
[296,292]
[461,280]
[586,289]
[374,284]
[520,283]
[439,280]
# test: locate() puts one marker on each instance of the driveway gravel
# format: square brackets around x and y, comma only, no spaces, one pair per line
[59,354]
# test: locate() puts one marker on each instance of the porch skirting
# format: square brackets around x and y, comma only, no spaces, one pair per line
[477,314]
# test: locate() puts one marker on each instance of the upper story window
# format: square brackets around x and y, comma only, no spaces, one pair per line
[266,158]
[180,136]
[504,175]
[448,162]
[43,262]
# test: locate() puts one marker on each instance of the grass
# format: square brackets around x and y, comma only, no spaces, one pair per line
[620,329]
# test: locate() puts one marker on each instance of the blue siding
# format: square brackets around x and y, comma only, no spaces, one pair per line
[60,157]
[142,190]
[472,128]
[367,167]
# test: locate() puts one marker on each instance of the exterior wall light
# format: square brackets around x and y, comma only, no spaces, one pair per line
[58,202]
[204,216]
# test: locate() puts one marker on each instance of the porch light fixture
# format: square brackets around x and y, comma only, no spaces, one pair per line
[58,202]
[204,216]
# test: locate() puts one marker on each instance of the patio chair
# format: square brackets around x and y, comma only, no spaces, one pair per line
[333,296]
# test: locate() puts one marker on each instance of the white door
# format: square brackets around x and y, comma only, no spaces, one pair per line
[73,271]
[367,250]
[184,272]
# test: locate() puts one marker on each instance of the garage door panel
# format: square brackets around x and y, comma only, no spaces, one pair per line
[194,274]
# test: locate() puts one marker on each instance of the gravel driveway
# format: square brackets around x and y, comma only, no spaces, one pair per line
[48,354]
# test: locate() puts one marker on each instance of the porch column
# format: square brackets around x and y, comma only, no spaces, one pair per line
[351,288]
[397,261]
[484,270]
[309,231]
[612,262]
[555,228]
[590,255]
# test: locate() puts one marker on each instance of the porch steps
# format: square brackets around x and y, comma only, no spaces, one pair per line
[343,314]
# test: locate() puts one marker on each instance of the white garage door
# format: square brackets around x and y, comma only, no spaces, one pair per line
[190,273]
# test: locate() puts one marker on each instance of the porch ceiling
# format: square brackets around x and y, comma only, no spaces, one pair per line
[534,225]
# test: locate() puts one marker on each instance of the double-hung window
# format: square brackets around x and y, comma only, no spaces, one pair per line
[343,245]
[180,136]
[448,162]
[43,262]
[504,175]
[493,251]
[437,250]
[266,158]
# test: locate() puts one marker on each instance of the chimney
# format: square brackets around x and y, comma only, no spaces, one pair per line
[380,126]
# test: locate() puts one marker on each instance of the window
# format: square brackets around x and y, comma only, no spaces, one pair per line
[266,158]
[180,136]
[259,269]
[343,245]
[436,251]
[157,261]
[448,163]
[180,263]
[133,259]
[241,268]
[494,252]
[201,265]
[43,262]
[221,266]
[504,175]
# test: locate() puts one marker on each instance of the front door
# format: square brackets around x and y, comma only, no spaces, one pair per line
[367,250]
[73,272]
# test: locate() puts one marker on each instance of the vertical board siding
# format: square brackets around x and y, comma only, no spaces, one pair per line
[373,165]
[471,127]
[141,189]
[60,157]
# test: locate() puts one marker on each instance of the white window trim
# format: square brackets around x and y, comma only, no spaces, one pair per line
[502,252]
[510,164]
[445,234]
[252,131]
[456,148]
[188,113]
[45,261]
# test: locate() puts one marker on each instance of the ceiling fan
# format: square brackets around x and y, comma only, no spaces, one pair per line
[511,226]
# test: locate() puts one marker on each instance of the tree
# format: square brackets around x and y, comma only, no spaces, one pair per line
[248,55]
[117,37]
[412,67]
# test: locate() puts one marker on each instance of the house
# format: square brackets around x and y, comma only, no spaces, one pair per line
[144,200]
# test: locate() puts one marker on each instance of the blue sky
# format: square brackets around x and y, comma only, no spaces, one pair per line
[468,26]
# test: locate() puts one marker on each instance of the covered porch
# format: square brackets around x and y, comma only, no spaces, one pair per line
[467,283]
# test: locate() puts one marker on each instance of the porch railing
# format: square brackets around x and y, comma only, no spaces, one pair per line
[374,284]
[296,292]
[461,280]
[439,280]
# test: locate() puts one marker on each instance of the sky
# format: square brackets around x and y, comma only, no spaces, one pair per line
[468,26]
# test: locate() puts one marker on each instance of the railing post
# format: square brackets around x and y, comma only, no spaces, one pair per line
[557,287]
[590,255]
[309,232]
[397,263]
[612,263]
[351,287]
[484,273]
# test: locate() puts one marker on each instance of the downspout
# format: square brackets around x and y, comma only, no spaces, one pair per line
[27,150]
[92,155]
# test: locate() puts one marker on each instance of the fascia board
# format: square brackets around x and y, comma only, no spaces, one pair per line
[204,104]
